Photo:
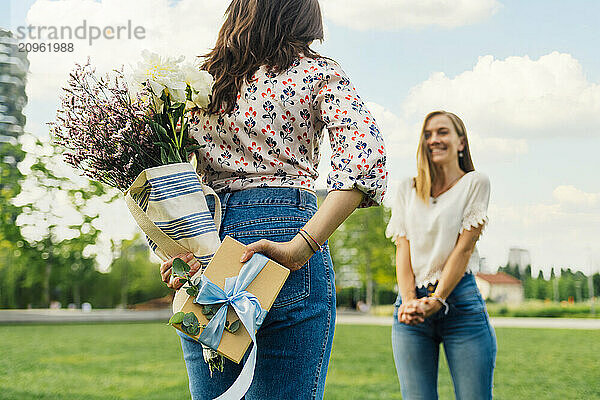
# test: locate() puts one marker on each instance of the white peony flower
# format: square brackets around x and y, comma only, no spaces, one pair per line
[200,82]
[162,74]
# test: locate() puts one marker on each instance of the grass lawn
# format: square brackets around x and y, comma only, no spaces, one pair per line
[144,361]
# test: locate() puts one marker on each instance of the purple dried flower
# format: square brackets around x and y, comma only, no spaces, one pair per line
[104,132]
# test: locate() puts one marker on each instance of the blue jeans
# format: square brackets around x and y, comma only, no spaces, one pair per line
[294,341]
[469,344]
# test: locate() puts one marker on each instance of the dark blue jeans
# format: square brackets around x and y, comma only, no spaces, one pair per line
[469,344]
[294,341]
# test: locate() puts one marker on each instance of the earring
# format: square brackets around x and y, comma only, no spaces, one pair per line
[460,154]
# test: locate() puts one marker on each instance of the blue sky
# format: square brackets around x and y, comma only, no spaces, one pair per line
[532,28]
[532,108]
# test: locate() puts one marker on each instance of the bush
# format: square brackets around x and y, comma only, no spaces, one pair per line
[385,296]
[349,296]
[545,309]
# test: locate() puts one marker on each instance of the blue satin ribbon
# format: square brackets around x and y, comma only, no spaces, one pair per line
[248,309]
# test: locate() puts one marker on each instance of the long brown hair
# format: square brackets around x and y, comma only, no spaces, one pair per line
[426,173]
[255,33]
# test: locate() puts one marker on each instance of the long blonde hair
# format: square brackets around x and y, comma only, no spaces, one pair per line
[426,173]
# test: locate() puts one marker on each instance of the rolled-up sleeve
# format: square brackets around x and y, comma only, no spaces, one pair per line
[358,159]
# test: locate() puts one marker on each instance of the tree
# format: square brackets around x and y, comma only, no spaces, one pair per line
[58,226]
[12,243]
[360,243]
[511,270]
[137,276]
[528,283]
[541,287]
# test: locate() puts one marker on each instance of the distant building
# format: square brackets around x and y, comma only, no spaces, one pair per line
[484,266]
[13,75]
[519,258]
[347,276]
[500,287]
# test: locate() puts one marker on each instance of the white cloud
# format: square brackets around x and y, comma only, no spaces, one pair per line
[555,233]
[496,149]
[568,194]
[400,141]
[515,97]
[400,138]
[393,15]
[189,28]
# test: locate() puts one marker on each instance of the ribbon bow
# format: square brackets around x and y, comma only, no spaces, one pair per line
[248,309]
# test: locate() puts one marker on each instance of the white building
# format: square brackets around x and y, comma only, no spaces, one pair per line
[519,258]
[13,74]
[500,287]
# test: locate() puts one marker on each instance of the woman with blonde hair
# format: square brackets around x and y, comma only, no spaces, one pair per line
[272,101]
[436,220]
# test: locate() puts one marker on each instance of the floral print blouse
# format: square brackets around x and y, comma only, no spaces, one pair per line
[274,134]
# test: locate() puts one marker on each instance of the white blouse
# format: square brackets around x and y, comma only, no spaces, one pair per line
[432,230]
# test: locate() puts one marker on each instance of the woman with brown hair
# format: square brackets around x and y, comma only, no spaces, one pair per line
[272,98]
[436,220]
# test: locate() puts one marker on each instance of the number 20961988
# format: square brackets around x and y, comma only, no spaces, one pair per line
[46,47]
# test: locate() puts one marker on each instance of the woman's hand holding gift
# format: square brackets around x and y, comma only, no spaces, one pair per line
[293,254]
[167,267]
[334,210]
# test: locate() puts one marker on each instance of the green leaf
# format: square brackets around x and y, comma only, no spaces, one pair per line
[183,281]
[192,291]
[186,329]
[163,156]
[235,325]
[162,145]
[160,130]
[174,156]
[180,267]
[190,319]
[193,330]
[193,147]
[177,318]
[207,309]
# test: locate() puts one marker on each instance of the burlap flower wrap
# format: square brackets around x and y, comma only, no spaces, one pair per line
[169,205]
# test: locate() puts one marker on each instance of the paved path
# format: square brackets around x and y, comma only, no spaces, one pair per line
[499,322]
[45,316]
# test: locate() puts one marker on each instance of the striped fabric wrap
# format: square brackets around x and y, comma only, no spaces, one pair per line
[172,199]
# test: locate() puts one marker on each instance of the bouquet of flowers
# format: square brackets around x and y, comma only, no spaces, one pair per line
[113,129]
[134,135]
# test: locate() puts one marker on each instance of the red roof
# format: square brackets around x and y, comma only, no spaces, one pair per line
[499,278]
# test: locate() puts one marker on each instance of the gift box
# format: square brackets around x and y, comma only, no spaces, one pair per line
[226,264]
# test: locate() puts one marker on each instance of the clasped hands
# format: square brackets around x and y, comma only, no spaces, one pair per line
[414,312]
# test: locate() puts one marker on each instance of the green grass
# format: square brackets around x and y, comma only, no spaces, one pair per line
[144,361]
